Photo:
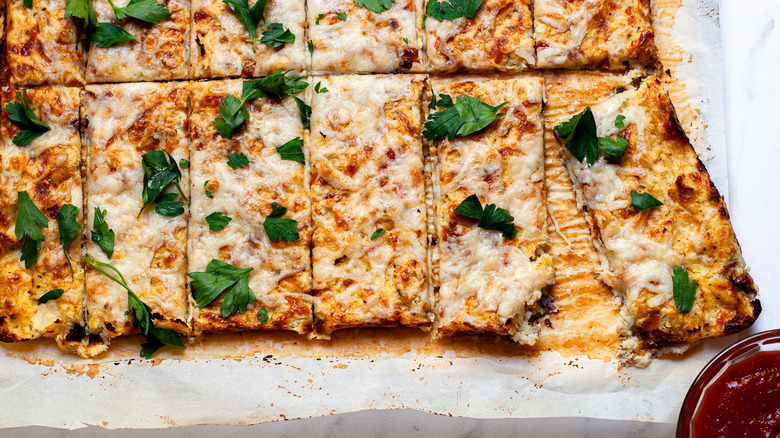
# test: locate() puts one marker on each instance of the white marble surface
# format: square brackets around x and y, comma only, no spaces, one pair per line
[751,44]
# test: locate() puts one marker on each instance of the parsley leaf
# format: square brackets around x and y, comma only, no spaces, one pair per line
[311,47]
[68,226]
[614,149]
[250,17]
[145,10]
[465,116]
[342,16]
[305,112]
[142,313]
[319,89]
[376,5]
[30,127]
[206,188]
[491,218]
[101,234]
[108,34]
[292,150]
[160,171]
[319,17]
[377,234]
[184,163]
[643,201]
[263,314]
[217,221]
[29,221]
[232,115]
[619,121]
[454,9]
[276,36]
[50,295]
[237,160]
[168,205]
[684,291]
[81,9]
[279,228]
[218,278]
[579,132]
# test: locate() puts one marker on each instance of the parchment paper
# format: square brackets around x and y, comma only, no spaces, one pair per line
[174,390]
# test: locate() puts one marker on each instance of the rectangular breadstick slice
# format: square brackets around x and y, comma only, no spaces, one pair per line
[365,41]
[162,51]
[691,230]
[219,45]
[281,274]
[610,34]
[499,37]
[123,122]
[488,283]
[42,47]
[367,176]
[48,170]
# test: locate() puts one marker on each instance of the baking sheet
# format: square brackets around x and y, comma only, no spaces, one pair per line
[117,392]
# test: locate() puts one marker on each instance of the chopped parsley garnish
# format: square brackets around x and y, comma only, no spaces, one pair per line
[452,10]
[101,234]
[50,295]
[145,10]
[582,140]
[319,89]
[250,17]
[217,221]
[319,17]
[206,188]
[619,121]
[108,34]
[311,47]
[29,221]
[465,116]
[30,127]
[168,205]
[275,35]
[222,277]
[263,315]
[68,226]
[377,234]
[406,40]
[643,201]
[491,218]
[376,5]
[83,9]
[292,150]
[279,228]
[160,171]
[142,314]
[683,289]
[342,16]
[184,163]
[237,160]
[232,111]
[305,112]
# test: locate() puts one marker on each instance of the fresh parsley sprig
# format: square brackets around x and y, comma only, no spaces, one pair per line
[68,227]
[142,313]
[108,34]
[29,221]
[491,218]
[465,116]
[377,234]
[160,171]
[222,277]
[250,17]
[218,221]
[581,138]
[292,150]
[376,5]
[275,35]
[83,9]
[102,235]
[279,228]
[683,289]
[643,201]
[50,295]
[30,127]
[237,161]
[452,10]
[145,10]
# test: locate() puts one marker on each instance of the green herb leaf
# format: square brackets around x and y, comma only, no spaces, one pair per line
[619,121]
[319,89]
[292,150]
[68,226]
[465,116]
[218,278]
[276,36]
[377,234]
[160,171]
[311,47]
[250,17]
[83,9]
[184,163]
[580,136]
[168,205]
[305,112]
[470,207]
[614,149]
[232,116]
[30,127]
[158,338]
[683,289]
[50,295]
[643,201]
[29,221]
[491,218]
[454,9]
[376,5]
[279,228]
[101,234]
[206,188]
[28,3]
[406,40]
[108,34]
[319,17]
[263,314]
[342,16]
[237,160]
[217,221]
[145,10]
[276,84]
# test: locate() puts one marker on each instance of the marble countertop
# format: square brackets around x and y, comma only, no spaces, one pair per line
[751,44]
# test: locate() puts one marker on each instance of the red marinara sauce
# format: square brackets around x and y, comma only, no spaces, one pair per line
[744,401]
